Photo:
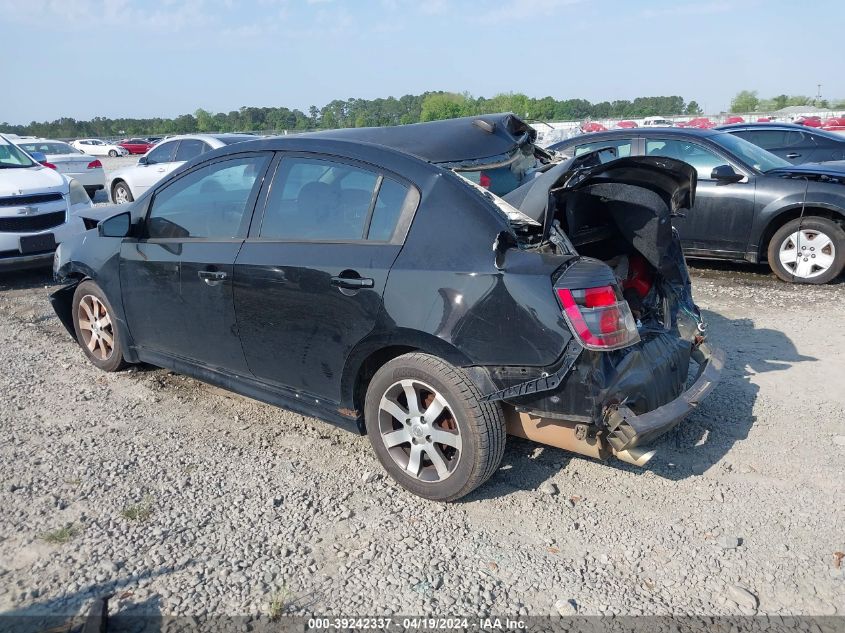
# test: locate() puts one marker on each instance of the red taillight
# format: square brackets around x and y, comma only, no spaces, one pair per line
[50,165]
[599,317]
[484,180]
[95,164]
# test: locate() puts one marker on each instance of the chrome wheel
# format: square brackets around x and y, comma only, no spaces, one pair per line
[419,430]
[807,253]
[121,194]
[96,327]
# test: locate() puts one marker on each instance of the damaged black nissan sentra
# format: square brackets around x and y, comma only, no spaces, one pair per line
[358,277]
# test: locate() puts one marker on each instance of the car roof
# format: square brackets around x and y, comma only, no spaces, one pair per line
[781,126]
[451,141]
[640,131]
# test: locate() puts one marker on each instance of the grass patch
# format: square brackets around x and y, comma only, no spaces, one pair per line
[60,536]
[280,602]
[139,511]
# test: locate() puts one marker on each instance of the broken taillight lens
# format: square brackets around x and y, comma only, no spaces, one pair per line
[599,317]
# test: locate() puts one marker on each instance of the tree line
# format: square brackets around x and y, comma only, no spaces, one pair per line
[429,106]
[749,101]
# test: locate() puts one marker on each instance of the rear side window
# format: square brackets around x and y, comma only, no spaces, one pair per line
[622,147]
[163,153]
[190,148]
[389,204]
[318,200]
[209,202]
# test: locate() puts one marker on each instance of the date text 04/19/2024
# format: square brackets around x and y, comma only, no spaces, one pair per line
[416,623]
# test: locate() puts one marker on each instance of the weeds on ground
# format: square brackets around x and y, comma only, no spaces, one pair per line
[281,600]
[139,511]
[60,536]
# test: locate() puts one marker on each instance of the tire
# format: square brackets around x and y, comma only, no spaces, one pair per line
[823,240]
[98,337]
[121,193]
[473,431]
[113,153]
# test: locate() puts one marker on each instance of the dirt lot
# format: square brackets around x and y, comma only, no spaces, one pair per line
[183,499]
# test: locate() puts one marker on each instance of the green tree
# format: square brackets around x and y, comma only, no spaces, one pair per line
[443,105]
[693,108]
[745,101]
[205,121]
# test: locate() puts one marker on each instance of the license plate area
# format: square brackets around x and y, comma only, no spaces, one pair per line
[38,243]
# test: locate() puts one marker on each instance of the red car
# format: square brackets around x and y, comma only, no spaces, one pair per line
[626,125]
[136,145]
[590,126]
[702,123]
[834,124]
[734,119]
[809,121]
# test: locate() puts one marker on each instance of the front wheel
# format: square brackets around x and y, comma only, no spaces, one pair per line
[429,428]
[96,333]
[120,193]
[809,250]
[112,153]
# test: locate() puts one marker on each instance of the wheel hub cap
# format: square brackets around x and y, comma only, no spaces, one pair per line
[807,253]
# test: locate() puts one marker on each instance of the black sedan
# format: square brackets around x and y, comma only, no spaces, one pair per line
[796,143]
[352,276]
[750,204]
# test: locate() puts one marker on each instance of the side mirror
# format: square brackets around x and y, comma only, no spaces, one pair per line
[39,157]
[142,160]
[115,226]
[725,174]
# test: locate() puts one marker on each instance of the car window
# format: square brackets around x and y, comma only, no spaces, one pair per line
[315,199]
[702,159]
[163,153]
[389,204]
[622,147]
[190,148]
[207,202]
[50,148]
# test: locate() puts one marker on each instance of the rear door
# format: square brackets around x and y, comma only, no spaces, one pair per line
[310,277]
[177,280]
[720,221]
[796,146]
[159,164]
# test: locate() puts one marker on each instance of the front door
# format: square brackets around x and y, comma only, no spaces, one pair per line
[177,280]
[309,279]
[720,221]
[159,163]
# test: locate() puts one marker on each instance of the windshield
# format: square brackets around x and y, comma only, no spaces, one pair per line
[755,156]
[11,156]
[50,147]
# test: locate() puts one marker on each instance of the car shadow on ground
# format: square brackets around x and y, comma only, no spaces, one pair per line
[26,279]
[696,444]
[67,612]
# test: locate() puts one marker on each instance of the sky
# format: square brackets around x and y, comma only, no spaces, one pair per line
[144,58]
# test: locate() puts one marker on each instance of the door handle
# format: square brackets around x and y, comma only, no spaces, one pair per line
[212,277]
[353,283]
[793,155]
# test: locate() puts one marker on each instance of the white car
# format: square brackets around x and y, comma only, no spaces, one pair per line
[39,208]
[657,121]
[96,147]
[68,161]
[129,183]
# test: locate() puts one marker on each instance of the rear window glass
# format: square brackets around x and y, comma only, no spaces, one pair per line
[389,205]
[50,148]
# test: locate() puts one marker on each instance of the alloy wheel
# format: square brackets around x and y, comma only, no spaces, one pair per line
[419,430]
[121,194]
[96,327]
[807,253]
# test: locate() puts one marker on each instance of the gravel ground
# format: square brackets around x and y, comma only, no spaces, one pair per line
[180,498]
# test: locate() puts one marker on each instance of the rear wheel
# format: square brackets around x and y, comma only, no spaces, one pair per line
[120,193]
[809,250]
[96,333]
[113,153]
[429,428]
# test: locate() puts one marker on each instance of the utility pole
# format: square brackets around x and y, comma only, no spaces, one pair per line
[818,95]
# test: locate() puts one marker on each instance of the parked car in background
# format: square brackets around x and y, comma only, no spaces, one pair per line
[39,208]
[749,203]
[136,145]
[154,139]
[69,161]
[626,125]
[700,123]
[126,184]
[795,143]
[809,121]
[96,147]
[657,121]
[734,119]
[834,124]
[349,275]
